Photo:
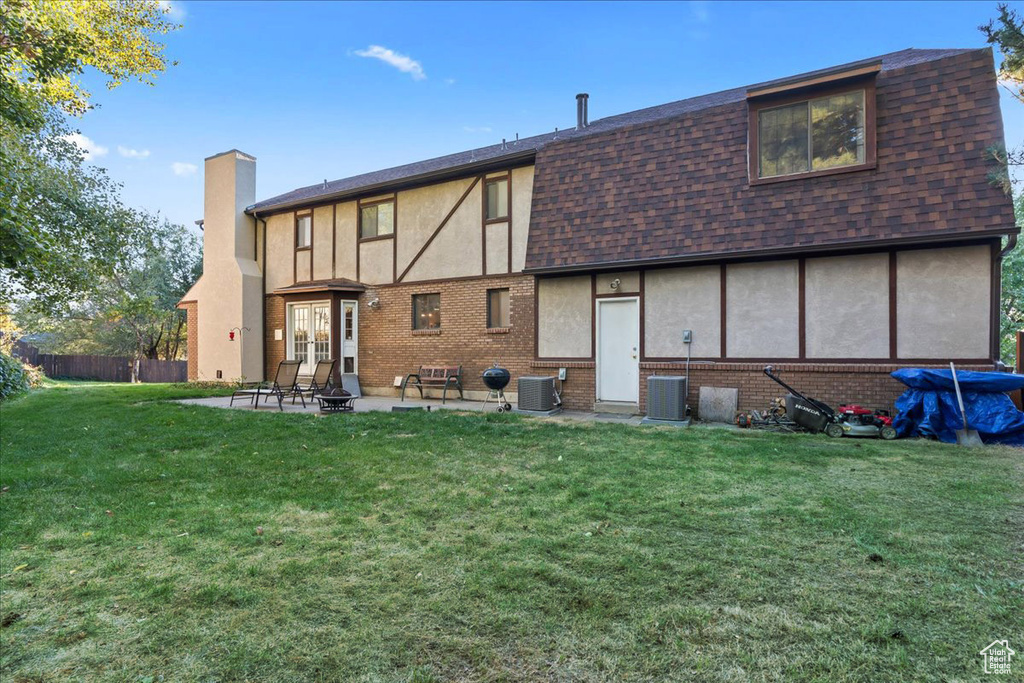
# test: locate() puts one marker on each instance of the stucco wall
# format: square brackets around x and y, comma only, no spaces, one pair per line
[345,249]
[375,262]
[497,248]
[847,306]
[564,317]
[280,250]
[942,303]
[629,282]
[680,299]
[422,210]
[762,309]
[522,195]
[457,250]
[323,236]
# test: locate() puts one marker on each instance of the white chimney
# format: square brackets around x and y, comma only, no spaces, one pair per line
[229,295]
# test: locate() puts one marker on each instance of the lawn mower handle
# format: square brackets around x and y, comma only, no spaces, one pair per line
[818,404]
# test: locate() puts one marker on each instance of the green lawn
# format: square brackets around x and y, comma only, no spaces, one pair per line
[436,547]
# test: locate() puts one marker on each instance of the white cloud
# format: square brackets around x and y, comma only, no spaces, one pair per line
[130,153]
[184,169]
[477,129]
[449,81]
[90,150]
[399,61]
[175,11]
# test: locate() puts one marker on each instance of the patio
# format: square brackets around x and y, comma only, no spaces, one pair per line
[368,404]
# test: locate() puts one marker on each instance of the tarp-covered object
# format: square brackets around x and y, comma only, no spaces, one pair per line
[929,407]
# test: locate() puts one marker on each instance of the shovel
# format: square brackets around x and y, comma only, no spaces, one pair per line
[965,436]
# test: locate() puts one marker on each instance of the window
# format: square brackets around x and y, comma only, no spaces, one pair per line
[426,311]
[497,308]
[303,231]
[377,220]
[813,135]
[497,199]
[309,336]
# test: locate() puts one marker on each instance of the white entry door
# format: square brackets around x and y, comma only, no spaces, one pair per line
[349,337]
[618,350]
[309,334]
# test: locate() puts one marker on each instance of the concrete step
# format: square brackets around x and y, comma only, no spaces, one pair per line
[616,408]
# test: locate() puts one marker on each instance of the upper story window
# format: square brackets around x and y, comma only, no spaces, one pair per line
[805,135]
[496,199]
[377,220]
[303,231]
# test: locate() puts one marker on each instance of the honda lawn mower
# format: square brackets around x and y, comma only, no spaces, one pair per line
[849,420]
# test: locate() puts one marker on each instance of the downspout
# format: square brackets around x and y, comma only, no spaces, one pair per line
[997,293]
[263,293]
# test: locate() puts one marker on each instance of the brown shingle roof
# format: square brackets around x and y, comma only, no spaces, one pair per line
[525,149]
[675,187]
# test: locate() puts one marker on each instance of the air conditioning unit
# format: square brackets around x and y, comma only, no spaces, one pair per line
[666,397]
[537,394]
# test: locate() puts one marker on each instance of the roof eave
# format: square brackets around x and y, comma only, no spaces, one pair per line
[719,256]
[402,183]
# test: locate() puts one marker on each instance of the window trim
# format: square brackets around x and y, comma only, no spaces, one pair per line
[754,107]
[488,320]
[508,205]
[299,216]
[412,313]
[377,202]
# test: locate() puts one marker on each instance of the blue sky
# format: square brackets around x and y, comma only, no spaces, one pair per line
[302,87]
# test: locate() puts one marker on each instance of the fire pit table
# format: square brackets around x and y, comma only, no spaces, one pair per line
[335,401]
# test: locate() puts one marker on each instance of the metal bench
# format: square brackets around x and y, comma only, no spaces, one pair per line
[435,377]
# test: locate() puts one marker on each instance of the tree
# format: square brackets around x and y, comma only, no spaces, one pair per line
[57,216]
[1006,32]
[131,311]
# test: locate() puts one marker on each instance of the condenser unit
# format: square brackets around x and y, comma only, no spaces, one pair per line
[537,394]
[666,397]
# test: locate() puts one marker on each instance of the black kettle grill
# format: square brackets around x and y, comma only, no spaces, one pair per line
[496,379]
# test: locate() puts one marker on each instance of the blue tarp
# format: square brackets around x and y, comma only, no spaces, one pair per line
[929,408]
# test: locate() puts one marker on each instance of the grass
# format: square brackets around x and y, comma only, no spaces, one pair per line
[436,547]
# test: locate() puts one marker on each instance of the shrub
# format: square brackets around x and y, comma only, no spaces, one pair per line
[13,378]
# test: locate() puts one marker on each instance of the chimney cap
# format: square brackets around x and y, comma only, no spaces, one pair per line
[582,95]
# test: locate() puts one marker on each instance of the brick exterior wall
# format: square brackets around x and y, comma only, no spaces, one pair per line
[388,346]
[191,309]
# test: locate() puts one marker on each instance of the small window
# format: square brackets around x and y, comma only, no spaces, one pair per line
[426,311]
[303,231]
[497,199]
[814,135]
[497,308]
[377,220]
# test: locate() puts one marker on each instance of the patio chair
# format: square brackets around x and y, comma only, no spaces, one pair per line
[321,380]
[285,384]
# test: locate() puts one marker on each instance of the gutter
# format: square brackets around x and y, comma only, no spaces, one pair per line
[717,256]
[389,185]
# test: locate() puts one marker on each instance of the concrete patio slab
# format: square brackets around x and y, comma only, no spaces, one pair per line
[368,404]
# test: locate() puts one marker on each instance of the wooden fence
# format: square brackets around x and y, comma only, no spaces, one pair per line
[105,368]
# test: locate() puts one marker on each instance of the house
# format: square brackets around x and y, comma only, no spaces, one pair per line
[838,224]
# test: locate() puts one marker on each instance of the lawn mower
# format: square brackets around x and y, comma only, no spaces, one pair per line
[849,420]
